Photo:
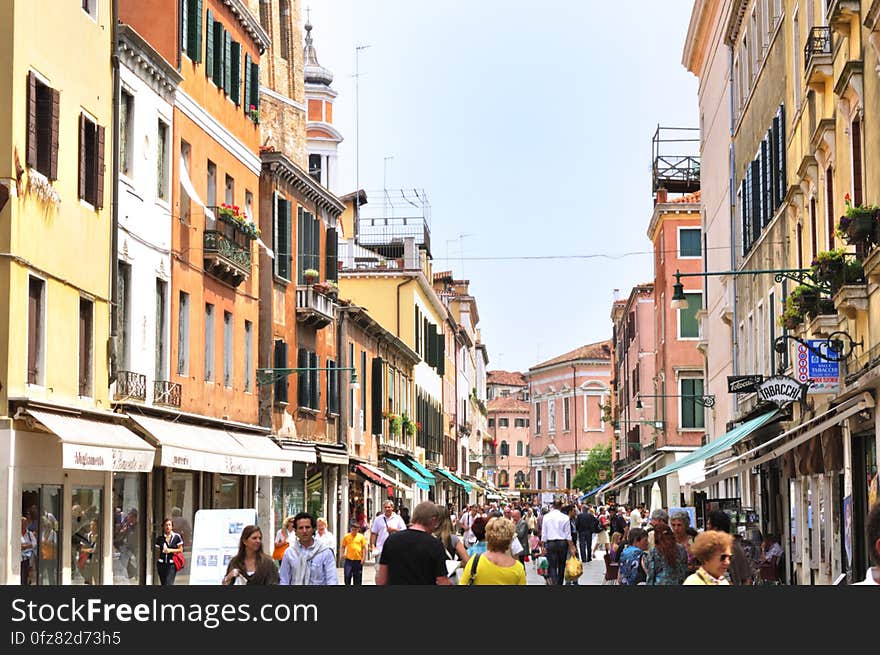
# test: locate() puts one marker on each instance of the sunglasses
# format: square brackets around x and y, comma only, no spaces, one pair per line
[725,557]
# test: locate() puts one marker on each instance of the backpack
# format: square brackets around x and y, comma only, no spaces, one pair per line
[631,572]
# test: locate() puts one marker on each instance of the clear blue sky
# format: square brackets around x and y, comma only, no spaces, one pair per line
[529,126]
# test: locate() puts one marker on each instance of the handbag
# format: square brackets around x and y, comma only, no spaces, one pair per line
[451,563]
[279,551]
[179,561]
[81,560]
[474,569]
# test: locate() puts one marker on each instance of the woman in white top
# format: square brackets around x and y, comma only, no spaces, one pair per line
[282,538]
[324,535]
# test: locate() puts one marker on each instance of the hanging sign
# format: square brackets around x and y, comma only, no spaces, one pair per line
[743,383]
[821,375]
[781,390]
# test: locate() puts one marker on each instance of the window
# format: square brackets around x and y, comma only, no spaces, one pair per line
[688,325]
[281,237]
[566,414]
[162,159]
[537,418]
[126,124]
[209,342]
[315,167]
[228,370]
[280,361]
[689,243]
[185,206]
[692,412]
[284,23]
[91,8]
[830,219]
[504,423]
[42,127]
[363,389]
[505,449]
[36,331]
[519,448]
[91,162]
[230,191]
[211,195]
[308,241]
[771,323]
[86,340]
[491,422]
[123,313]
[214,50]
[234,88]
[797,44]
[248,354]
[307,380]
[551,416]
[191,32]
[856,152]
[183,334]
[332,387]
[161,369]
[519,423]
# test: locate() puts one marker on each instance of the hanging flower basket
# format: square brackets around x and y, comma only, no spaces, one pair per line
[859,224]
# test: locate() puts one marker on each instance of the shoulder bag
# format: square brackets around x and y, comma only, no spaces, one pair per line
[474,569]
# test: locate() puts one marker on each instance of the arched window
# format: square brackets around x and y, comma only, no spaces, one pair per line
[519,449]
[505,449]
[519,479]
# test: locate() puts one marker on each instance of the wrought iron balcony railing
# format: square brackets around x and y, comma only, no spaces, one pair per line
[131,386]
[166,393]
[818,43]
[226,258]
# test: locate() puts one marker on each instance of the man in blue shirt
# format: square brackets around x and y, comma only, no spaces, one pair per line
[307,562]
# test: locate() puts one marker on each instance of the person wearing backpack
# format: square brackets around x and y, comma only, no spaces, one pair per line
[632,568]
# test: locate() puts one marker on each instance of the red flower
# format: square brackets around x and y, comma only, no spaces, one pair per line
[235,207]
[253,107]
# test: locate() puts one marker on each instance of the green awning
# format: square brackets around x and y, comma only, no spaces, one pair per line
[454,478]
[415,477]
[425,473]
[714,447]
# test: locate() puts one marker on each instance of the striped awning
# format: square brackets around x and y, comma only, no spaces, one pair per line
[421,482]
[454,478]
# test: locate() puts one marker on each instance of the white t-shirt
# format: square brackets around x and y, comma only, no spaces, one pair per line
[381,525]
[635,519]
[327,539]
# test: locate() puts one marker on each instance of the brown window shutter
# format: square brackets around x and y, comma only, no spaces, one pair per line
[99,170]
[53,135]
[82,156]
[34,296]
[32,121]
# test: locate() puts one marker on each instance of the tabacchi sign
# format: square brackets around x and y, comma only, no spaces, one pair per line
[781,390]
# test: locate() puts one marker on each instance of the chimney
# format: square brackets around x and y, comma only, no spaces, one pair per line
[660,196]
[410,254]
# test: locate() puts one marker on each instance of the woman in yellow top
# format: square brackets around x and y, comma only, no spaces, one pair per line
[496,566]
[712,549]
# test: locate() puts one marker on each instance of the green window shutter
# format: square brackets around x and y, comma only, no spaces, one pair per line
[689,243]
[692,413]
[315,249]
[314,388]
[235,88]
[441,354]
[277,233]
[227,62]
[300,245]
[217,42]
[689,326]
[246,104]
[255,86]
[194,30]
[209,45]
[302,378]
[286,244]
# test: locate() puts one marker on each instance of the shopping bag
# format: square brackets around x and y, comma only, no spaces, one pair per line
[179,561]
[278,553]
[573,568]
[543,566]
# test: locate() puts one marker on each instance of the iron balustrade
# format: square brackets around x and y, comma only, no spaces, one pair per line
[231,251]
[818,43]
[374,232]
[166,393]
[131,385]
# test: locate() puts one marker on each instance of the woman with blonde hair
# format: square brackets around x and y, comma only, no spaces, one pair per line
[282,539]
[496,566]
[713,549]
[456,553]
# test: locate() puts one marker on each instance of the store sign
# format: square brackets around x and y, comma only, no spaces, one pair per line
[781,390]
[743,383]
[821,375]
[103,458]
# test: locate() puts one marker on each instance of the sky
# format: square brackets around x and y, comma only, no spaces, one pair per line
[529,127]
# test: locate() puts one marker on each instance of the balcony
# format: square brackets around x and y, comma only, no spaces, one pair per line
[130,386]
[314,309]
[840,13]
[817,56]
[227,249]
[166,393]
[673,169]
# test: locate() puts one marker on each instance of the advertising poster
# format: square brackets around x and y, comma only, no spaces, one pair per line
[823,376]
[847,528]
[215,542]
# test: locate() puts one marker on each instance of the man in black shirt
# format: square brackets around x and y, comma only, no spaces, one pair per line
[586,524]
[415,556]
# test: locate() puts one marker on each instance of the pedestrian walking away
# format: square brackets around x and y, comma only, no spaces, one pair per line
[556,541]
[414,556]
[495,566]
[587,525]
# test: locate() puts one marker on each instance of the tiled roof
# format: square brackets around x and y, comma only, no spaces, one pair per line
[511,378]
[688,197]
[598,350]
[502,404]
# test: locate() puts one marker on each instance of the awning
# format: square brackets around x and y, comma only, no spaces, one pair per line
[457,480]
[299,452]
[630,474]
[425,473]
[96,445]
[831,417]
[593,492]
[197,448]
[714,447]
[421,483]
[330,455]
[376,476]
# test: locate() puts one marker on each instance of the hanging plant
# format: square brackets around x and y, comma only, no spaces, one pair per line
[40,186]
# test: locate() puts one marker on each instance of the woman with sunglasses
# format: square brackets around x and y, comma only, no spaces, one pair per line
[713,549]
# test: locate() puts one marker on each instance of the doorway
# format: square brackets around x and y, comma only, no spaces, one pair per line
[41,529]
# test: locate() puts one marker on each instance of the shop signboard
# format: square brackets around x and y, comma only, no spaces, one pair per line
[822,375]
[781,390]
[743,383]
[215,542]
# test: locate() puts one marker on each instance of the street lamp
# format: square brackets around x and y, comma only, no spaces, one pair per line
[270,375]
[802,276]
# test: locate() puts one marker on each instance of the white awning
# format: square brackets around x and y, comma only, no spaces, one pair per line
[197,448]
[96,445]
[332,456]
[300,452]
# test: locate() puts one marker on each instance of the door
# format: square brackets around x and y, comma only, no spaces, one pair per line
[41,518]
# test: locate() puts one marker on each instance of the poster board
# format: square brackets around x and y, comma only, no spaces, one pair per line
[215,542]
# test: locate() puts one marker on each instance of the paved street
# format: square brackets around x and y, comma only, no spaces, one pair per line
[594,573]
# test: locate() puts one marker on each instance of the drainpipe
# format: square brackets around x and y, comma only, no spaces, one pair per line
[733,246]
[113,345]
[406,281]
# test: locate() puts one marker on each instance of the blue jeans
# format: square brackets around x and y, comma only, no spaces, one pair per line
[353,570]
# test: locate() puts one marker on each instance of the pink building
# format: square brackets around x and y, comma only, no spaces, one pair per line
[506,456]
[568,394]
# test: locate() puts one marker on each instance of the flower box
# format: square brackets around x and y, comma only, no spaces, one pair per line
[851,299]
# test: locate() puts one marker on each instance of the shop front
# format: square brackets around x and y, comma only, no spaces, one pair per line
[201,467]
[76,475]
[369,487]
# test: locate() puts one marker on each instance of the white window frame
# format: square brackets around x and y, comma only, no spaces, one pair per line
[91,364]
[92,11]
[678,242]
[797,65]
[130,132]
[760,350]
[689,375]
[164,200]
[41,370]
[228,349]
[210,375]
[183,325]
[248,355]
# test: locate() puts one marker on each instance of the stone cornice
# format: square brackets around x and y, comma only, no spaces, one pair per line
[142,58]
[737,12]
[249,23]
[277,164]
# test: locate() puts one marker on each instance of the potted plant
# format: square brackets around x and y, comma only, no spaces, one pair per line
[395,424]
[254,113]
[803,297]
[310,276]
[332,288]
[409,426]
[858,224]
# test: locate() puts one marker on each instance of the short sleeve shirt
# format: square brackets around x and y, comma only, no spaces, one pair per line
[413,557]
[381,525]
